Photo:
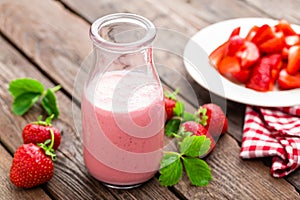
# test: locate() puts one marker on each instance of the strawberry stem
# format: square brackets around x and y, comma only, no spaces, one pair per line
[56,88]
[47,122]
[172,95]
[52,139]
[48,149]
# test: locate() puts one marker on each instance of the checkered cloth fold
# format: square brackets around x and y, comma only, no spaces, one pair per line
[273,132]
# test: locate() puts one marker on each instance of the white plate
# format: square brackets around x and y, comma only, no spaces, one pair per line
[197,64]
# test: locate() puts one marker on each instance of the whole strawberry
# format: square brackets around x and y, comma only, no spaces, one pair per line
[213,118]
[32,165]
[170,103]
[39,132]
[197,129]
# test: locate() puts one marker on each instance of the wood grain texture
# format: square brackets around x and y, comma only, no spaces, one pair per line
[278,9]
[196,15]
[211,11]
[7,190]
[71,180]
[58,44]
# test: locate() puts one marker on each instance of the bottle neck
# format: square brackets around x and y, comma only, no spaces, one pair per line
[122,60]
[122,33]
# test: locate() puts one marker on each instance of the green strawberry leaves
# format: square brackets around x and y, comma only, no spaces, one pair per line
[194,146]
[49,103]
[24,102]
[26,92]
[172,126]
[197,169]
[179,109]
[171,169]
[25,85]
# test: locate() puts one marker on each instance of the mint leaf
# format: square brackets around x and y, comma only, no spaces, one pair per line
[172,127]
[193,145]
[171,169]
[197,170]
[24,102]
[49,103]
[25,85]
[179,109]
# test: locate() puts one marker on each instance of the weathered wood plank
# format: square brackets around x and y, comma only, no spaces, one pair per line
[197,14]
[278,9]
[194,12]
[59,43]
[237,179]
[41,57]
[159,15]
[71,180]
[7,189]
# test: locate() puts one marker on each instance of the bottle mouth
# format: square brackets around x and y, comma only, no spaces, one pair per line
[122,32]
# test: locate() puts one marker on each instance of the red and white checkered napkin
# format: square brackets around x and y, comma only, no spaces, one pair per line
[273,132]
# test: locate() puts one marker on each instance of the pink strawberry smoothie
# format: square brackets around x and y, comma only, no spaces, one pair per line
[123,120]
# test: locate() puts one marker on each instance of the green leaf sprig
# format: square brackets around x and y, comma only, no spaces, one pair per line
[197,169]
[26,92]
[191,148]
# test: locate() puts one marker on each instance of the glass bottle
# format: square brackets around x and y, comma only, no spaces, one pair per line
[122,104]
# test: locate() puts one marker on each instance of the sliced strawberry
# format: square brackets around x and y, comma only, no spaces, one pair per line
[235,44]
[235,32]
[276,63]
[287,81]
[242,76]
[263,34]
[285,53]
[249,55]
[216,56]
[292,40]
[229,66]
[293,65]
[261,77]
[273,45]
[251,33]
[285,27]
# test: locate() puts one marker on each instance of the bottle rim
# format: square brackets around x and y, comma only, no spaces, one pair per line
[143,22]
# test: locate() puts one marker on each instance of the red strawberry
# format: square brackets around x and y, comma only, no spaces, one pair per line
[170,103]
[197,129]
[213,118]
[31,166]
[39,132]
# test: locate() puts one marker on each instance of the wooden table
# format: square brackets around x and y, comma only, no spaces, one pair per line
[48,40]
